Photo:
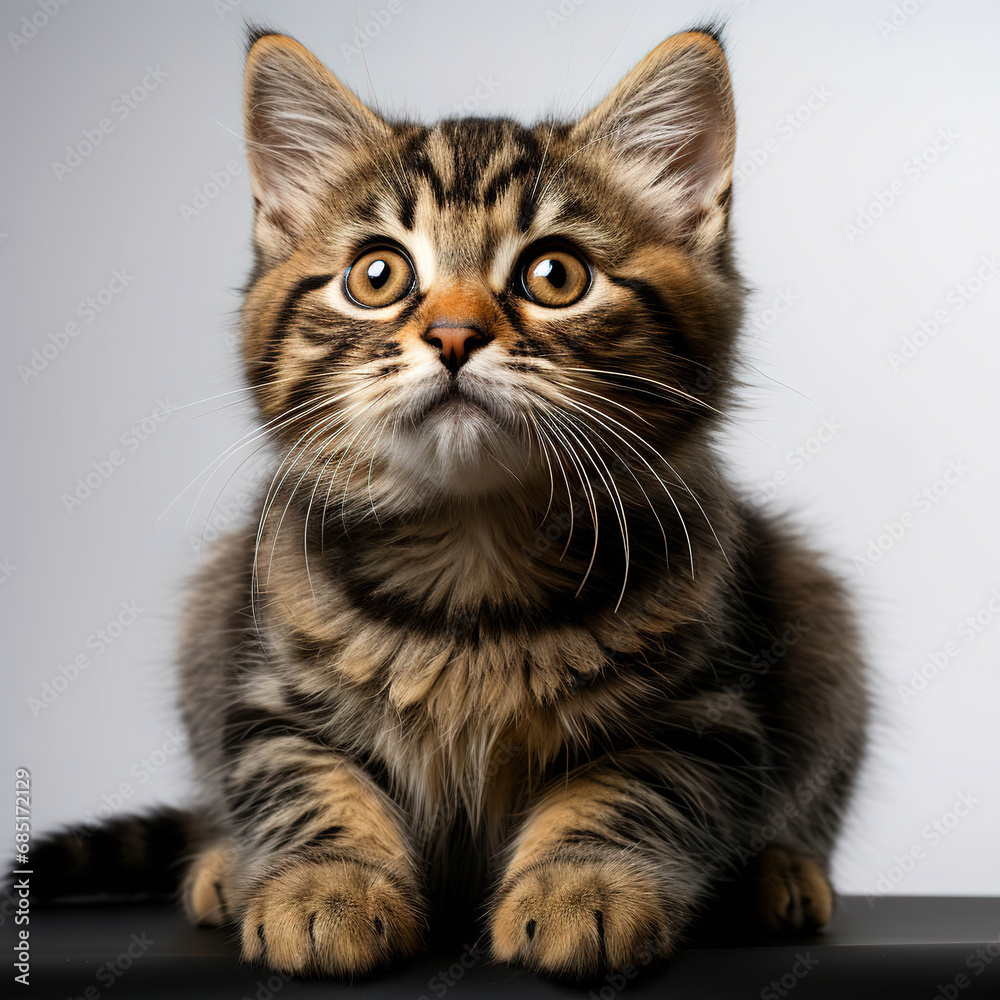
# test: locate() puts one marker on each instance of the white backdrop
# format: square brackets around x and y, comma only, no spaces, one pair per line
[867,220]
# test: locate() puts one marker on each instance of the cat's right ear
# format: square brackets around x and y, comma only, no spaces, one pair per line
[304,129]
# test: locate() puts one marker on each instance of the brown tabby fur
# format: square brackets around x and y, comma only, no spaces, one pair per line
[502,632]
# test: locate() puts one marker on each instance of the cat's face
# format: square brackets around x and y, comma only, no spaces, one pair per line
[479,306]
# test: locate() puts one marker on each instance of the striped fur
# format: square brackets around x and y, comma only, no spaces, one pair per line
[500,633]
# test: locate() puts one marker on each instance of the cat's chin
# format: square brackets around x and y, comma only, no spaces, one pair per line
[459,450]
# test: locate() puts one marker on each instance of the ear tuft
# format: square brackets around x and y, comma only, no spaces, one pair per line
[670,125]
[255,32]
[714,28]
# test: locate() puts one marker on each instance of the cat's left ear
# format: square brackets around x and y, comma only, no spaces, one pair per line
[670,126]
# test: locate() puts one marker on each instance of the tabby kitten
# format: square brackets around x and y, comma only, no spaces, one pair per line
[502,632]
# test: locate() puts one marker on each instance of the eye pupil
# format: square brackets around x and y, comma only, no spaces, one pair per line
[553,271]
[378,273]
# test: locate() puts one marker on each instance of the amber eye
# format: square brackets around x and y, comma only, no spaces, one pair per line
[555,277]
[379,277]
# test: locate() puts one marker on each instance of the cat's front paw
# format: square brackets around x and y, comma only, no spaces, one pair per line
[573,918]
[338,918]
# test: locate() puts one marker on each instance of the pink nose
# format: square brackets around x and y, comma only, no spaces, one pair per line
[455,340]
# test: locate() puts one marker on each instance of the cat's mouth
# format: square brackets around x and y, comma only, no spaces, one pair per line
[450,401]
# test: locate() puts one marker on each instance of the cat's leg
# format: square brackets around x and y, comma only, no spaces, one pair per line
[612,862]
[786,861]
[808,683]
[320,875]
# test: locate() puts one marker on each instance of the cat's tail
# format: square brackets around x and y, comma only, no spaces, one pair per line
[128,856]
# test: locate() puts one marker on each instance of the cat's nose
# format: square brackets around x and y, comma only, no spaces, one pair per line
[456,340]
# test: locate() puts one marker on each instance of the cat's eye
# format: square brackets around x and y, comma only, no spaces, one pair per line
[378,277]
[554,277]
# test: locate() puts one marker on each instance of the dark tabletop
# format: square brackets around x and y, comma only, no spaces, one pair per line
[896,948]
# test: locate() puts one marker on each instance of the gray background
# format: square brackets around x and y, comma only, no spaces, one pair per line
[880,95]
